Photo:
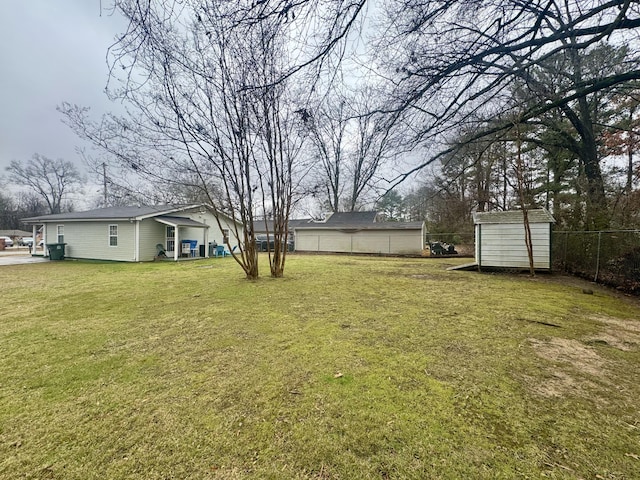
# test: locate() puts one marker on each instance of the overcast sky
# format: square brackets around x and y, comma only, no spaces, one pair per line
[50,51]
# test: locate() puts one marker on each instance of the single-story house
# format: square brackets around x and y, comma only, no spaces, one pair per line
[360,232]
[500,239]
[137,233]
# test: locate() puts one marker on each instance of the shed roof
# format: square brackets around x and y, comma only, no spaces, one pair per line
[539,215]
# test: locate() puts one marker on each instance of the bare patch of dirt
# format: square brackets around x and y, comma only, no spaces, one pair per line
[578,363]
[579,367]
[580,357]
[621,334]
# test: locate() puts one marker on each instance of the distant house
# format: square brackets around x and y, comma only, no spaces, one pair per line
[360,232]
[138,233]
[14,235]
[500,239]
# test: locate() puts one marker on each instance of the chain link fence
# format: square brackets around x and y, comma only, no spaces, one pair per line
[608,257]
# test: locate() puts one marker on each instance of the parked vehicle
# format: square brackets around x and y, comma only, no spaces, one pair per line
[263,244]
[26,242]
[7,241]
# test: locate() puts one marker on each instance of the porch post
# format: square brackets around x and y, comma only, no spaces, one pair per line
[34,229]
[177,245]
[45,227]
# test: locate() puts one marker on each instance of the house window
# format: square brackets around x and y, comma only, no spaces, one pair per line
[60,229]
[113,235]
[171,239]
[225,236]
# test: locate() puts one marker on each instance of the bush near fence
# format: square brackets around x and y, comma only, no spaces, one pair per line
[609,257]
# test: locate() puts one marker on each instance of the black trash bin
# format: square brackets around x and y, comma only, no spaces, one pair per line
[56,251]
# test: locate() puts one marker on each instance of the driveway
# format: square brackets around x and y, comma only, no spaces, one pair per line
[15,256]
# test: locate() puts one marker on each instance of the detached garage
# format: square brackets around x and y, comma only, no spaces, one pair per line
[500,239]
[384,238]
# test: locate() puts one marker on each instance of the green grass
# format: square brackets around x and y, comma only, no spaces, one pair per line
[350,367]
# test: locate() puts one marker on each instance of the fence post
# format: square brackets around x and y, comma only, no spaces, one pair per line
[598,256]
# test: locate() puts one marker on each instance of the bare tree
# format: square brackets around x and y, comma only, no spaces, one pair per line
[327,129]
[277,159]
[453,61]
[353,144]
[211,109]
[374,146]
[51,180]
[8,217]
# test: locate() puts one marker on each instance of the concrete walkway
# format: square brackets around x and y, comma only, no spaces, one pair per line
[18,256]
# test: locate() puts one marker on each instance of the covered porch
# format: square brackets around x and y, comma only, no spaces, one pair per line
[185,239]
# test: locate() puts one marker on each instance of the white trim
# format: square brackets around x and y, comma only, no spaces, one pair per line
[110,236]
[136,239]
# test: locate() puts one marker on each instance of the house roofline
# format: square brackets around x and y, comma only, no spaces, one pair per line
[79,217]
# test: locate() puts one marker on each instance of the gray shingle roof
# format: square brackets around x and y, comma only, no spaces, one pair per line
[14,233]
[351,217]
[539,215]
[110,213]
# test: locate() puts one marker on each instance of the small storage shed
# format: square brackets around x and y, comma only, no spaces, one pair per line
[500,239]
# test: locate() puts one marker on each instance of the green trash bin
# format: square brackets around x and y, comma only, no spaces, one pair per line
[56,251]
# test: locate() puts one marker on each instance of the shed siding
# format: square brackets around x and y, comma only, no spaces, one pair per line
[503,245]
[364,241]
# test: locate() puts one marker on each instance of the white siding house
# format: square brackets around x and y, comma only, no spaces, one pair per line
[133,234]
[500,239]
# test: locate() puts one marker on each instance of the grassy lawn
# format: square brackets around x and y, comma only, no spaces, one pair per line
[350,368]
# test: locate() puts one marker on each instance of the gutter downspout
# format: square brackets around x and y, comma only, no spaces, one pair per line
[479,247]
[136,236]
